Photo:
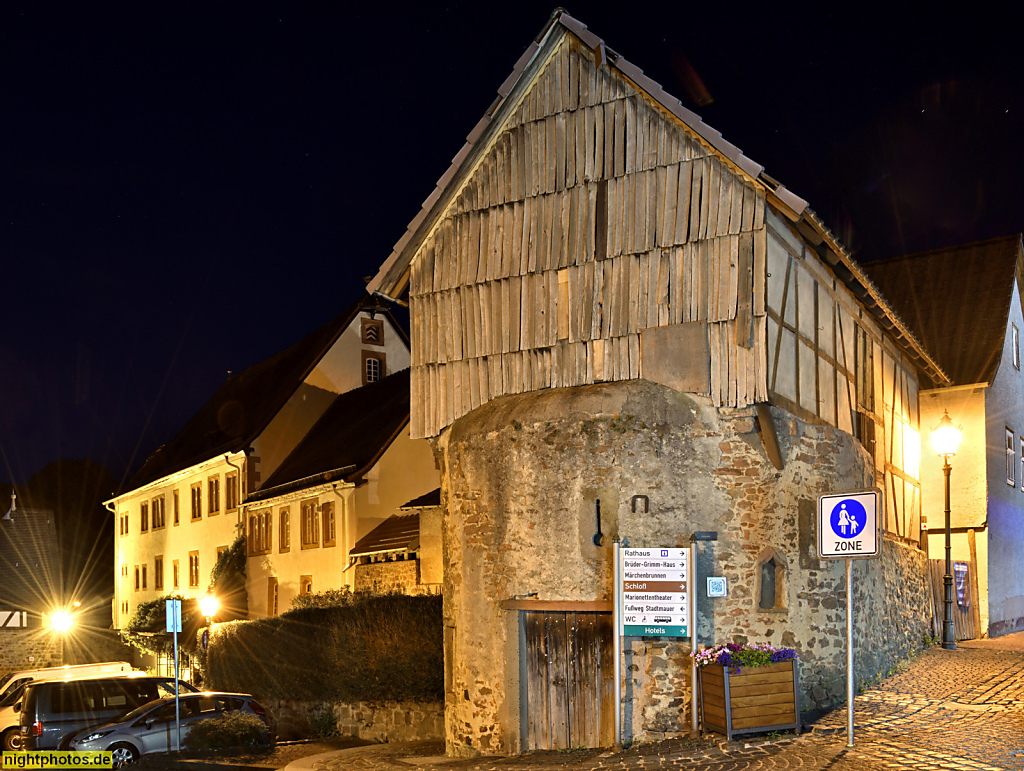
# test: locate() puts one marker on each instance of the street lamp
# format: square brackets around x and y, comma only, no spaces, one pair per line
[208,607]
[62,621]
[945,440]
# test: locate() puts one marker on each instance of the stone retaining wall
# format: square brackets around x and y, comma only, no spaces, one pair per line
[390,721]
[31,648]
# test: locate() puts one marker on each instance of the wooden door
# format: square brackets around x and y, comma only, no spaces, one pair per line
[569,680]
[965,598]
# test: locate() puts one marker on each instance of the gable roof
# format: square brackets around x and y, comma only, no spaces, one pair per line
[347,440]
[399,532]
[956,301]
[30,575]
[392,279]
[248,400]
[429,500]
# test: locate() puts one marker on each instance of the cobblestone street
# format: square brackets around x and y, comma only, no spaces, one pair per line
[960,709]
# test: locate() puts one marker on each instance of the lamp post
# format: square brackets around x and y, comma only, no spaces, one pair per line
[945,440]
[62,621]
[208,606]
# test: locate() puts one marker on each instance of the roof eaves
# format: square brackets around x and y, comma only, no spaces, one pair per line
[872,297]
[320,478]
[390,282]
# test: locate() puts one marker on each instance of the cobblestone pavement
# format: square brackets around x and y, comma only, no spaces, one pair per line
[960,709]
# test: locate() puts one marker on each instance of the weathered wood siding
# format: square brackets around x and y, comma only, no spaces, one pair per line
[829,360]
[593,215]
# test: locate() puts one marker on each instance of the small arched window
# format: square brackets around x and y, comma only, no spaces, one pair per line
[771,580]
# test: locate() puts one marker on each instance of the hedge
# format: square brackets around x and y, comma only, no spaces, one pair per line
[373,648]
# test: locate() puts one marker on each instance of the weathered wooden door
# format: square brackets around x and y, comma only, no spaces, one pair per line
[966,620]
[569,680]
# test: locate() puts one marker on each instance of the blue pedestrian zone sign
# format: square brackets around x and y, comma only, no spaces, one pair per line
[849,525]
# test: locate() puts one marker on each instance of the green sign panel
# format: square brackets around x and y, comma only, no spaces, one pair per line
[648,630]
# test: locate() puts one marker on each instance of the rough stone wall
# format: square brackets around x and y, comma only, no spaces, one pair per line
[29,648]
[384,577]
[390,721]
[519,481]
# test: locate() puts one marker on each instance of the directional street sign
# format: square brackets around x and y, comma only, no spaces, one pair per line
[173,615]
[849,525]
[654,592]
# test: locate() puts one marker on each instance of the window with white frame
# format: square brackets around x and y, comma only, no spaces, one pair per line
[1011,464]
[374,366]
[1016,345]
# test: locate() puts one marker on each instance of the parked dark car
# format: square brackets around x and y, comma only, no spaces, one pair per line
[151,727]
[55,709]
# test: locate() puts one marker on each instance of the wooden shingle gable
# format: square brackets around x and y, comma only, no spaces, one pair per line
[593,229]
[593,215]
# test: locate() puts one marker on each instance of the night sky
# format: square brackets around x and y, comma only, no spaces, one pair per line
[187,188]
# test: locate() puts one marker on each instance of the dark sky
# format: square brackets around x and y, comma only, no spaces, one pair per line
[186,188]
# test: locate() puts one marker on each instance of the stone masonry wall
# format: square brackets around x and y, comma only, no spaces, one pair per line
[519,480]
[390,721]
[29,649]
[383,577]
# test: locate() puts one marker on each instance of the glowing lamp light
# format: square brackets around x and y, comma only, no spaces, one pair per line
[946,436]
[62,621]
[208,605]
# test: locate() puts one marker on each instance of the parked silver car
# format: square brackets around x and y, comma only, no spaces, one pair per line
[151,727]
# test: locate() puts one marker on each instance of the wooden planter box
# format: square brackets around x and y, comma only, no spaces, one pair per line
[756,699]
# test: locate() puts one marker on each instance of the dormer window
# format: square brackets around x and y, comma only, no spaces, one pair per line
[374,368]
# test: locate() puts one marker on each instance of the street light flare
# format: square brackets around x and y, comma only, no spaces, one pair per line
[208,605]
[62,621]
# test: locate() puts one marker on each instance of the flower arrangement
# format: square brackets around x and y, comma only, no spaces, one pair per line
[733,656]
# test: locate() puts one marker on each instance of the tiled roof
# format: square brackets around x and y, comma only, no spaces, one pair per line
[427,501]
[392,278]
[399,532]
[956,301]
[246,402]
[352,435]
[30,577]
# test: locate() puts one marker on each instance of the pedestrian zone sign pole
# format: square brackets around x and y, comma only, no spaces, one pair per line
[849,528]
[174,625]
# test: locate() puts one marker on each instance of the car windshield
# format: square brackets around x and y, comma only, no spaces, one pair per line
[5,679]
[138,712]
[13,696]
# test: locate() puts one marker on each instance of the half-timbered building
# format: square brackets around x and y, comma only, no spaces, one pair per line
[621,327]
[964,303]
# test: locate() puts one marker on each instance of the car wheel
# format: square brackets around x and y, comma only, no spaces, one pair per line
[12,740]
[123,754]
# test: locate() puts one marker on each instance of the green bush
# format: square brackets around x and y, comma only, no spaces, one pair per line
[324,723]
[234,729]
[330,598]
[372,648]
